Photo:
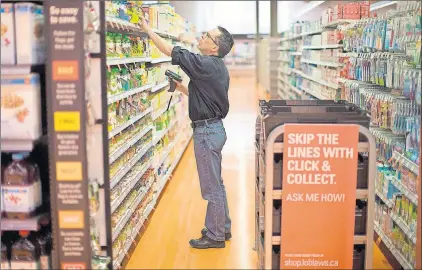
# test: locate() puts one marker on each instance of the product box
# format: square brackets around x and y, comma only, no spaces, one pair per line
[30,42]
[338,12]
[20,107]
[364,10]
[8,43]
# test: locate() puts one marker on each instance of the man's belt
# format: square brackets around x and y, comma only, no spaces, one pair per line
[201,123]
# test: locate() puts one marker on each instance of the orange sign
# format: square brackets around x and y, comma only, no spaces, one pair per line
[65,70]
[319,196]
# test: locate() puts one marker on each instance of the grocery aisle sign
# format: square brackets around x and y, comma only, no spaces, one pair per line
[319,196]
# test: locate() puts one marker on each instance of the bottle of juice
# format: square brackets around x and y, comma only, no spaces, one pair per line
[25,254]
[5,264]
[21,188]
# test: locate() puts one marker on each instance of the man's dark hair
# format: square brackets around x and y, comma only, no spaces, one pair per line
[225,42]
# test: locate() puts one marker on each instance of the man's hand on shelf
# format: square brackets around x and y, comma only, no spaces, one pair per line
[143,24]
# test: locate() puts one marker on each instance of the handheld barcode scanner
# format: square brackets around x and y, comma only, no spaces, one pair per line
[172,76]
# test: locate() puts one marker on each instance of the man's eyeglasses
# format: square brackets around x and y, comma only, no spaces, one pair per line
[206,34]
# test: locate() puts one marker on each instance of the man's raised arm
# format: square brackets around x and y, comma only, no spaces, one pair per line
[161,43]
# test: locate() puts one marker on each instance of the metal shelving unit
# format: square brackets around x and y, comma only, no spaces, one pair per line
[265,193]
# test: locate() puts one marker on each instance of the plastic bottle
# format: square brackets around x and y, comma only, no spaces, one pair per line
[21,188]
[43,240]
[25,254]
[5,264]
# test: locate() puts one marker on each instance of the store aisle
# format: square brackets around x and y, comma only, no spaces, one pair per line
[181,210]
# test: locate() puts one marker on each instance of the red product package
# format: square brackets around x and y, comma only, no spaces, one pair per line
[338,11]
[364,9]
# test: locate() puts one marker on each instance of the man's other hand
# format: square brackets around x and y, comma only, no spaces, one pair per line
[178,84]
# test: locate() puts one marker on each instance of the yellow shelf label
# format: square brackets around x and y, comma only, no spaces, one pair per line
[67,121]
[71,219]
[69,171]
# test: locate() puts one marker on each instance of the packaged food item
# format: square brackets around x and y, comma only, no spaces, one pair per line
[4,262]
[25,254]
[110,45]
[8,43]
[21,188]
[20,107]
[100,262]
[29,21]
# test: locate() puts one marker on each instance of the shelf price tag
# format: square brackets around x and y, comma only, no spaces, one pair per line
[319,190]
[67,132]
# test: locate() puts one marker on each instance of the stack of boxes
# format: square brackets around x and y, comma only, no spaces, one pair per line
[28,47]
[349,11]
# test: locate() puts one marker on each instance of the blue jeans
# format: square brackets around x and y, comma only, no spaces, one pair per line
[208,142]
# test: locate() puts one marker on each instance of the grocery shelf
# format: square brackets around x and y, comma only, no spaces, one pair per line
[122,61]
[17,145]
[403,226]
[122,24]
[282,49]
[406,162]
[135,179]
[123,171]
[283,60]
[280,94]
[296,53]
[20,69]
[302,35]
[159,135]
[131,240]
[338,22]
[126,94]
[120,128]
[389,244]
[129,212]
[283,80]
[283,71]
[159,86]
[410,195]
[116,154]
[296,90]
[314,93]
[160,60]
[387,202]
[163,110]
[173,166]
[321,63]
[166,154]
[324,46]
[331,85]
[30,224]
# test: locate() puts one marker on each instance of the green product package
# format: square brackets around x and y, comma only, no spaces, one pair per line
[126,46]
[110,45]
[118,42]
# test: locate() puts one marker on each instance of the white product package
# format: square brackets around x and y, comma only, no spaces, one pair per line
[30,40]
[8,41]
[20,107]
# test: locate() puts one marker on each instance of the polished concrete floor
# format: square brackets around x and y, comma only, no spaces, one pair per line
[180,213]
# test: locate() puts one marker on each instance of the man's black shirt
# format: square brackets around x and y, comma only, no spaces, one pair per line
[208,86]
